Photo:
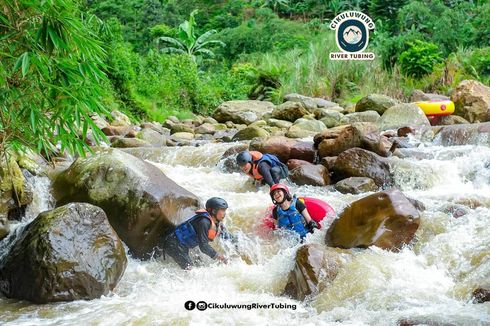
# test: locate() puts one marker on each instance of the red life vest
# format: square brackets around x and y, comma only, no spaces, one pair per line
[213,229]
[256,156]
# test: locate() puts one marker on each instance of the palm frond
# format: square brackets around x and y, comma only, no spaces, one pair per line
[171,40]
[172,50]
[206,52]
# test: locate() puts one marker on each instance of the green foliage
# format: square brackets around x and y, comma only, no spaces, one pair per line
[167,85]
[264,33]
[162,30]
[50,76]
[481,26]
[419,59]
[314,74]
[275,4]
[390,47]
[136,17]
[277,47]
[446,27]
[386,10]
[188,42]
[477,63]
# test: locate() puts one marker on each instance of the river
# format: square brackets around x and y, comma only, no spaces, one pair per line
[431,280]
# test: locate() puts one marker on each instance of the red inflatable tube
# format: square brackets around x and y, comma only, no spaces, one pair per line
[317,208]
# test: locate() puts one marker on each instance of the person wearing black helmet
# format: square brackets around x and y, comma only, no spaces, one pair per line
[198,230]
[263,168]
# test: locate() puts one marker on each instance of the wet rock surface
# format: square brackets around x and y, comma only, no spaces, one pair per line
[139,200]
[385,219]
[315,264]
[69,253]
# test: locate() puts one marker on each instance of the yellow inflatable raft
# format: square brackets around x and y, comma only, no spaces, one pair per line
[435,108]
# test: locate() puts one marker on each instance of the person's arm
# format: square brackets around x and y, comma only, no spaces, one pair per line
[202,225]
[301,207]
[265,171]
[310,223]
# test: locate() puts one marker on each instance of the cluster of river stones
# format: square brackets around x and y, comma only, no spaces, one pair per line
[76,251]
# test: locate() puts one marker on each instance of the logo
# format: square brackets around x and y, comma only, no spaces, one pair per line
[352,36]
[190,305]
[201,305]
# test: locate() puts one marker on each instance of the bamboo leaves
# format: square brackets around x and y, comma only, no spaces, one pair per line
[52,71]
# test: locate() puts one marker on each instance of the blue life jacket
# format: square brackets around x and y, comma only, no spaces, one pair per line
[186,234]
[291,219]
[269,158]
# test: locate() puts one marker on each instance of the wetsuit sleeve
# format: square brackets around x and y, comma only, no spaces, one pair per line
[265,171]
[300,206]
[202,225]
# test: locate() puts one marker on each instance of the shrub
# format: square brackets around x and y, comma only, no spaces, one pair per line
[258,35]
[447,27]
[386,10]
[481,25]
[419,59]
[477,63]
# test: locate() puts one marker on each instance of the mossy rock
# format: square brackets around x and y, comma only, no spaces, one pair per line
[69,253]
[377,102]
[142,204]
[249,133]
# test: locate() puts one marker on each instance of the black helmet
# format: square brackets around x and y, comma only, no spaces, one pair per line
[243,158]
[216,203]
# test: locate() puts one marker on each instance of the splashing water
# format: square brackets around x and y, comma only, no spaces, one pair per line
[431,281]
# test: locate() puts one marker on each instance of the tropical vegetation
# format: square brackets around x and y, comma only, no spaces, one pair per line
[64,60]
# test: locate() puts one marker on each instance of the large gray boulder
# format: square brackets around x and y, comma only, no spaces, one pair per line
[418,96]
[464,134]
[244,112]
[285,148]
[357,162]
[303,128]
[310,174]
[249,133]
[119,119]
[376,102]
[307,102]
[356,185]
[365,116]
[330,118]
[472,101]
[69,253]
[129,143]
[289,111]
[152,137]
[141,203]
[332,142]
[403,115]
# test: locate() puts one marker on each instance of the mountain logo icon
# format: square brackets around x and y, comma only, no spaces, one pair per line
[352,35]
[352,32]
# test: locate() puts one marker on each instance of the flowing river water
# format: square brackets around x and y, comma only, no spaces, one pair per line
[431,281]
